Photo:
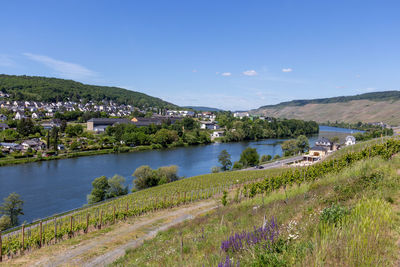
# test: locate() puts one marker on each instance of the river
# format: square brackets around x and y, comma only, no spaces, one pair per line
[51,187]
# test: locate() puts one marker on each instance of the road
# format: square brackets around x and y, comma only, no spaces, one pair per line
[276,164]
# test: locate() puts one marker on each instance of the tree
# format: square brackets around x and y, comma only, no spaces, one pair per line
[167,174]
[25,127]
[335,139]
[225,159]
[145,177]
[54,135]
[249,157]
[302,143]
[266,158]
[116,186]
[99,191]
[12,207]
[5,222]
[289,147]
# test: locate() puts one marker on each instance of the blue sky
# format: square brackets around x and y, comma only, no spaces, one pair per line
[229,54]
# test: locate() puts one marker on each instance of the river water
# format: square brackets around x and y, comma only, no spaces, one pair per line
[55,186]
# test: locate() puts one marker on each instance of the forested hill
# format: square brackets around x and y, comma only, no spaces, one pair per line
[369,107]
[54,89]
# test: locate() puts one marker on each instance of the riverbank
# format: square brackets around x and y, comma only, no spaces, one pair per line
[15,161]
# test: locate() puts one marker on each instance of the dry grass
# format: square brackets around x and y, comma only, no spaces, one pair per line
[351,112]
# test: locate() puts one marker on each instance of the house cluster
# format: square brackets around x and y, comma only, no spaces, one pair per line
[324,146]
[36,109]
[34,144]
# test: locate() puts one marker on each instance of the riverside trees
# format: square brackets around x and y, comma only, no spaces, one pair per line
[11,209]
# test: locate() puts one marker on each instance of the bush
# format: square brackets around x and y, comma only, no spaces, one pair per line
[215,169]
[334,214]
[266,158]
[237,165]
[5,222]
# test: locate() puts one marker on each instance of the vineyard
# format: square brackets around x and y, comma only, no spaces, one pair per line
[53,230]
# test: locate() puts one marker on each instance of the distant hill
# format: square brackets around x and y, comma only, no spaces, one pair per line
[203,108]
[53,89]
[369,107]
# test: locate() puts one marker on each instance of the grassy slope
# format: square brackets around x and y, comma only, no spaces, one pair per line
[351,112]
[369,191]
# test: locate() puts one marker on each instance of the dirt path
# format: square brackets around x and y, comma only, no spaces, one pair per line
[109,246]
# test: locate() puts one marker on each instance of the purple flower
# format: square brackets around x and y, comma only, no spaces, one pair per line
[268,232]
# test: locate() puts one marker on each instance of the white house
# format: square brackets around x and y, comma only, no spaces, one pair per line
[241,115]
[209,125]
[19,116]
[216,134]
[350,140]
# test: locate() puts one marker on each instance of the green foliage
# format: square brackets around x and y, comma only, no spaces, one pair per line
[249,157]
[12,207]
[225,159]
[25,127]
[237,165]
[224,199]
[104,188]
[266,158]
[5,222]
[247,129]
[277,156]
[295,146]
[74,130]
[99,191]
[53,90]
[215,169]
[116,186]
[147,177]
[334,214]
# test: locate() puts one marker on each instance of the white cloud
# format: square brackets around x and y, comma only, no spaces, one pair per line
[250,73]
[6,61]
[64,69]
[226,74]
[287,70]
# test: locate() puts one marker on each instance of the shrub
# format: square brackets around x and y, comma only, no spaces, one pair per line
[334,214]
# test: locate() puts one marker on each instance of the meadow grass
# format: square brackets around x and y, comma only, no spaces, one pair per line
[363,235]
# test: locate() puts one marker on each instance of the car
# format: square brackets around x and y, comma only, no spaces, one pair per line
[259,167]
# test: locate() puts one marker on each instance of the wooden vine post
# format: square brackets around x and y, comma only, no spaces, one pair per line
[101,219]
[114,213]
[70,225]
[55,230]
[87,223]
[41,233]
[23,237]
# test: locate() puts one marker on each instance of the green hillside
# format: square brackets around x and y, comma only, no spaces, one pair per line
[54,89]
[370,107]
